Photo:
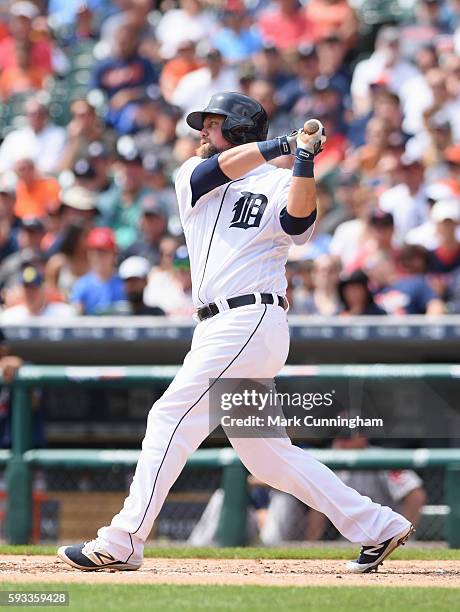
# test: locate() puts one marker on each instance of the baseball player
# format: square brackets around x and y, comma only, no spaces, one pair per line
[240,215]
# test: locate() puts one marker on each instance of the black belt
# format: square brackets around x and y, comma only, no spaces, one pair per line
[241,300]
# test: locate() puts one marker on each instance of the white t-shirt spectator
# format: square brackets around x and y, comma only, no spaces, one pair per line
[44,148]
[408,211]
[195,89]
[177,26]
[347,240]
[20,314]
[164,290]
[374,70]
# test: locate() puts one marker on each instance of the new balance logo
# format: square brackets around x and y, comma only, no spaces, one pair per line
[103,558]
[248,211]
[373,551]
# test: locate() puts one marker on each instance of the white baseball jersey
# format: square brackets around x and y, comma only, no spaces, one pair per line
[233,233]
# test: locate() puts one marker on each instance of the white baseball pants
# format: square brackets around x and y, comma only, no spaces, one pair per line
[246,342]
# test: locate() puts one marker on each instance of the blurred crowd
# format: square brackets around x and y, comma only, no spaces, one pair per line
[93,95]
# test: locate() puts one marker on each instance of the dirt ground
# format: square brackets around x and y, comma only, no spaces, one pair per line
[18,568]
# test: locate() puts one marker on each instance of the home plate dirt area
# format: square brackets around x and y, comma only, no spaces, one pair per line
[264,572]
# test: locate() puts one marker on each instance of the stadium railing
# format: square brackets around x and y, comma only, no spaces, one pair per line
[232,527]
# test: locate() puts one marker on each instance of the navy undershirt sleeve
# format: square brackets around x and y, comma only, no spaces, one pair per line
[295,226]
[206,177]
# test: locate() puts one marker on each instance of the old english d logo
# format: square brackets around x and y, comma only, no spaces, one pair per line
[248,211]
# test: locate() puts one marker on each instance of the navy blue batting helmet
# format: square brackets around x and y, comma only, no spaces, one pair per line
[245,119]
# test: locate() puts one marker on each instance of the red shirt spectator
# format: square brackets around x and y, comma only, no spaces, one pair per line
[287,26]
[21,30]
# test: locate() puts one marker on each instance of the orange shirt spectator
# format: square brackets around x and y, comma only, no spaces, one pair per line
[178,67]
[332,17]
[23,77]
[34,193]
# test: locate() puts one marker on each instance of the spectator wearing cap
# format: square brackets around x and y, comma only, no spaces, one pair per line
[152,227]
[333,17]
[356,296]
[401,295]
[93,172]
[124,78]
[30,233]
[190,21]
[384,66]
[69,260]
[29,240]
[285,25]
[425,235]
[236,39]
[446,257]
[196,88]
[83,129]
[170,285]
[39,140]
[21,29]
[100,291]
[134,272]
[34,301]
[35,193]
[407,201]
[120,206]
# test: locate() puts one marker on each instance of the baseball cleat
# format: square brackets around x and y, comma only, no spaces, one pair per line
[91,556]
[371,557]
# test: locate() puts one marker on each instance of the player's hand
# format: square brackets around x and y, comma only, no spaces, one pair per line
[311,137]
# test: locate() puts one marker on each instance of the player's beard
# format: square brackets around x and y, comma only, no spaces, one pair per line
[207,150]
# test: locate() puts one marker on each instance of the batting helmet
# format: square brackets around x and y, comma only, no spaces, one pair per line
[245,119]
